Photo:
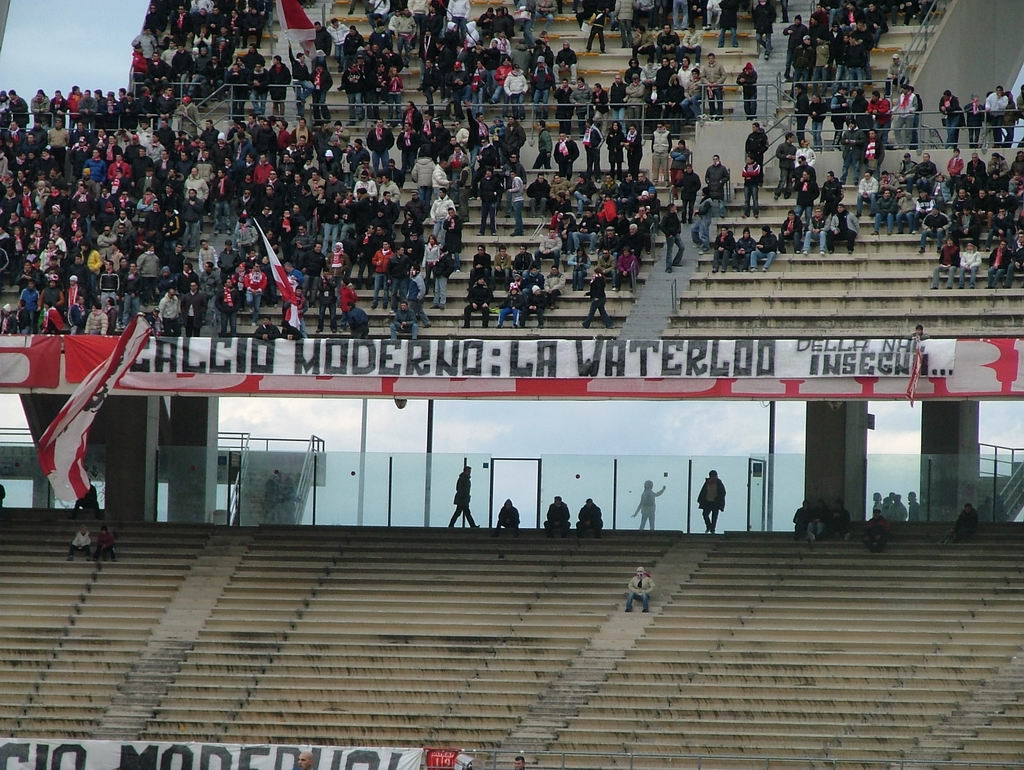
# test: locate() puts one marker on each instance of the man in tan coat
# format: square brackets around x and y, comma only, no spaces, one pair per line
[640,587]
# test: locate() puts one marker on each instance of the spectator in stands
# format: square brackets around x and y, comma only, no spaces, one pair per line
[965,526]
[876,532]
[404,321]
[843,226]
[589,520]
[598,298]
[949,260]
[766,249]
[557,519]
[463,487]
[105,541]
[711,501]
[508,518]
[80,543]
[479,298]
[647,507]
[801,520]
[88,502]
[640,586]
[1000,266]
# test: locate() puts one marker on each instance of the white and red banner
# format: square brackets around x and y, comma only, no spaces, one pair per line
[990,368]
[295,24]
[63,445]
[29,754]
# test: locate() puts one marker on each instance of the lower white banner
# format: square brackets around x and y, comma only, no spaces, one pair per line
[20,754]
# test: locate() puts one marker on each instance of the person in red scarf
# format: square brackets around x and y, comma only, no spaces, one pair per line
[227,305]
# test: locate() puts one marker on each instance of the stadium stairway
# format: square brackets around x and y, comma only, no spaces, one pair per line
[539,726]
[159,661]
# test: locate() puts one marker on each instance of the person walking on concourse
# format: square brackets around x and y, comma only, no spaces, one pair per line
[462,493]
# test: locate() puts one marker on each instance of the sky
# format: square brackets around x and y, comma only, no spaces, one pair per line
[101,58]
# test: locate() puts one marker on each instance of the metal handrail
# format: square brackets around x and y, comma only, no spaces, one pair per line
[931,134]
[635,762]
[918,43]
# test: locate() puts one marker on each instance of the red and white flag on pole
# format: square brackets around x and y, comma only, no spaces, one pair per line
[915,372]
[283,282]
[295,24]
[62,447]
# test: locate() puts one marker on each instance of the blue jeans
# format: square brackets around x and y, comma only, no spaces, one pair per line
[910,218]
[964,272]
[578,239]
[356,110]
[395,326]
[937,235]
[758,256]
[330,236]
[890,222]
[517,217]
[809,236]
[440,291]
[303,88]
[645,600]
[131,308]
[504,313]
[700,231]
[540,97]
[380,284]
[221,217]
[721,37]
[254,300]
[380,161]
[871,203]
[803,213]
[675,241]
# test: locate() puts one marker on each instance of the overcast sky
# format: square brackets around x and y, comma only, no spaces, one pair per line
[51,44]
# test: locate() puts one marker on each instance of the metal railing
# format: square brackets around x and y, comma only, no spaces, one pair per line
[307,480]
[919,42]
[552,760]
[236,443]
[1007,474]
[929,125]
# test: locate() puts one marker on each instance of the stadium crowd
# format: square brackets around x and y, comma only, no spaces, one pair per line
[106,201]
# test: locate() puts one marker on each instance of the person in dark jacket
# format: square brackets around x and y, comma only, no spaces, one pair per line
[711,500]
[557,519]
[965,527]
[598,297]
[463,488]
[589,520]
[479,301]
[508,518]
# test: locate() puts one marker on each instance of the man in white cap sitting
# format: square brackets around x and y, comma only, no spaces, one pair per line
[640,587]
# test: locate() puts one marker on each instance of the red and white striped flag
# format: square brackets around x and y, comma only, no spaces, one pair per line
[295,24]
[283,282]
[62,447]
[915,373]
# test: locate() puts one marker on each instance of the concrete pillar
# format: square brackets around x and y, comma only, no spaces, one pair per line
[949,460]
[835,460]
[40,409]
[130,426]
[188,459]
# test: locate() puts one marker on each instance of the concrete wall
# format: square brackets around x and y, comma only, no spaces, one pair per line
[975,48]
